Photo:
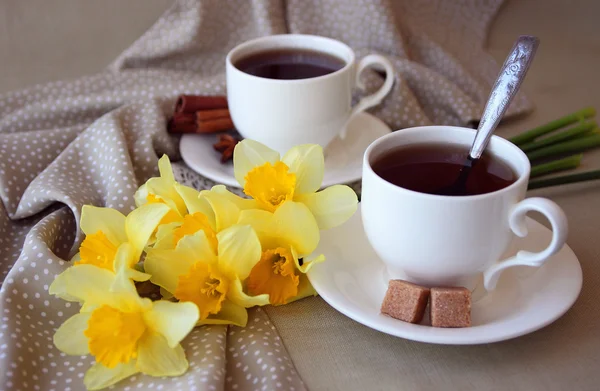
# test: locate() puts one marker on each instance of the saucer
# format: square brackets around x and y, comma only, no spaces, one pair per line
[343,158]
[352,280]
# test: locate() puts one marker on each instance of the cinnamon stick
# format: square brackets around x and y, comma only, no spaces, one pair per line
[214,125]
[207,121]
[184,118]
[194,103]
[182,125]
[212,114]
[201,127]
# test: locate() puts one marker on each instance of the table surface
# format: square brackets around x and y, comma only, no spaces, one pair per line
[43,40]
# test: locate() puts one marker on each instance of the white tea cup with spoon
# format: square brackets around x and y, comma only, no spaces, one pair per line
[448,237]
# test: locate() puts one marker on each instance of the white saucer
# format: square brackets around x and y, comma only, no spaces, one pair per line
[343,158]
[352,280]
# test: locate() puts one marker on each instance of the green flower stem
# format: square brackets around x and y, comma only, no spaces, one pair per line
[570,133]
[571,146]
[590,132]
[556,165]
[552,126]
[565,179]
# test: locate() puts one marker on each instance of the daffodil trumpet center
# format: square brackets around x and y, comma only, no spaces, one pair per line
[276,275]
[204,286]
[193,223]
[113,335]
[170,217]
[97,250]
[270,185]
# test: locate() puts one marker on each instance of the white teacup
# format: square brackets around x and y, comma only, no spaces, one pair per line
[284,113]
[438,240]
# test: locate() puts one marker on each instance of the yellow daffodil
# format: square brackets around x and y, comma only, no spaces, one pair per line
[189,212]
[125,333]
[212,280]
[286,236]
[209,211]
[106,229]
[241,203]
[162,190]
[272,181]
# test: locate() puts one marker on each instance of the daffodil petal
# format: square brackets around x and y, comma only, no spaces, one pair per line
[110,221]
[141,223]
[136,275]
[297,226]
[307,264]
[263,223]
[237,295]
[239,251]
[305,289]
[332,206]
[84,283]
[141,195]
[230,314]
[242,203]
[58,287]
[196,247]
[165,267]
[164,193]
[157,358]
[165,294]
[99,376]
[226,213]
[249,154]
[162,187]
[164,236]
[194,202]
[126,296]
[165,169]
[308,163]
[124,258]
[69,337]
[123,266]
[172,320]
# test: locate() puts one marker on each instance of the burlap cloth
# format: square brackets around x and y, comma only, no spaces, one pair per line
[95,139]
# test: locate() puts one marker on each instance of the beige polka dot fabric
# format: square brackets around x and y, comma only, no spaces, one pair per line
[96,139]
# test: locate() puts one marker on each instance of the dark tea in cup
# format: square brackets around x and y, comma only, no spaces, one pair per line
[427,168]
[289,64]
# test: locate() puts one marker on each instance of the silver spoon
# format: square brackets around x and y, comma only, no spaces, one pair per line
[507,84]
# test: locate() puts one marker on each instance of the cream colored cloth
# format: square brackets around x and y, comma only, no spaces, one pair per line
[95,139]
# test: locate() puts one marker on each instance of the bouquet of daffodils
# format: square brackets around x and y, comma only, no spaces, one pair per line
[212,253]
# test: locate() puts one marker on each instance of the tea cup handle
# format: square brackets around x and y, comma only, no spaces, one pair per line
[517,222]
[375,98]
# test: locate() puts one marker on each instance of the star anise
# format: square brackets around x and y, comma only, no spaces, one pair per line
[226,145]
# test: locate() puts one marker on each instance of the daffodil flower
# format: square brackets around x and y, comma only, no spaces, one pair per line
[286,235]
[189,212]
[125,333]
[194,272]
[272,181]
[209,211]
[241,203]
[106,229]
[162,190]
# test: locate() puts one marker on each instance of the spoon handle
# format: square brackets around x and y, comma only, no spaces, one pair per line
[509,80]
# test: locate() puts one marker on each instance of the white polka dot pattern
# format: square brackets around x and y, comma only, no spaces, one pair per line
[94,140]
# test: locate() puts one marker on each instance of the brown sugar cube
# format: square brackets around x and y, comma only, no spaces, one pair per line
[405,301]
[450,307]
